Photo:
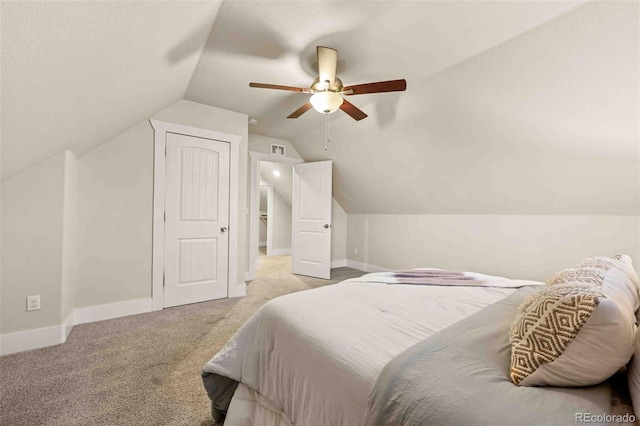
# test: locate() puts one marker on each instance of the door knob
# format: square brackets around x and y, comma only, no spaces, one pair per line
[327,226]
[223,229]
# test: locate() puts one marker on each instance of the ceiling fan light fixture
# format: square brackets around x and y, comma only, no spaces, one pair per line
[326,102]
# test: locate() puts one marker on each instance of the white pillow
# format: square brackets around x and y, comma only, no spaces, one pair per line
[579,329]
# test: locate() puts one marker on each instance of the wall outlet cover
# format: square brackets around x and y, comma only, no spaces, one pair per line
[33,303]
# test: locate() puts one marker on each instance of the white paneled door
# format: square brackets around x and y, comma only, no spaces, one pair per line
[312,219]
[197,220]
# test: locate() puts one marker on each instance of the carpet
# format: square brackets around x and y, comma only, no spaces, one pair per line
[142,369]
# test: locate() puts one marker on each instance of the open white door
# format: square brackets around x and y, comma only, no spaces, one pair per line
[197,218]
[312,219]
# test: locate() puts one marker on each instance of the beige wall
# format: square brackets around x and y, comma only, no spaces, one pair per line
[115,204]
[259,143]
[69,235]
[544,123]
[37,255]
[280,221]
[207,117]
[527,247]
[338,231]
[262,228]
[527,152]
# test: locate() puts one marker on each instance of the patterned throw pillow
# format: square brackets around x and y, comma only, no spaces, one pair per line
[579,328]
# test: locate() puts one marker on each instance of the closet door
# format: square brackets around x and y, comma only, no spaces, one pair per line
[197,220]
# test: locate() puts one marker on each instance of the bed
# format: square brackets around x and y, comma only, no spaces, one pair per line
[340,355]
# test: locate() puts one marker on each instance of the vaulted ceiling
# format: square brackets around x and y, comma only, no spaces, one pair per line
[76,74]
[274,42]
[510,106]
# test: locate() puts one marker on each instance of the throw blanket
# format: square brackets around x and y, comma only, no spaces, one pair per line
[460,376]
[441,277]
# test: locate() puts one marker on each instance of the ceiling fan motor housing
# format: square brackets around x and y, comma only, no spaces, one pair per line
[321,86]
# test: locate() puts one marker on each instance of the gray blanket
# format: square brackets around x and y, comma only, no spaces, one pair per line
[459,376]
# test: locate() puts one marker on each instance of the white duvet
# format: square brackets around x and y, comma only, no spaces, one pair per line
[314,356]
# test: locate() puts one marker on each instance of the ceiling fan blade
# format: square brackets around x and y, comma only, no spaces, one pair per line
[304,108]
[355,112]
[327,64]
[277,87]
[377,87]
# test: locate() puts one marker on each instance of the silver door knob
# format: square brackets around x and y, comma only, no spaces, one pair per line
[327,226]
[223,229]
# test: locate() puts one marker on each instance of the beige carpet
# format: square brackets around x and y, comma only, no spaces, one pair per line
[138,370]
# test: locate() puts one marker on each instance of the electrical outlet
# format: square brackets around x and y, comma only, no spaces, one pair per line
[355,251]
[33,303]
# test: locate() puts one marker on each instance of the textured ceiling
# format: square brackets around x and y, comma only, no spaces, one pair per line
[274,42]
[545,123]
[512,107]
[76,74]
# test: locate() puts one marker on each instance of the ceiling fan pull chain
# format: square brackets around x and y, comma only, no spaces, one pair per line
[326,121]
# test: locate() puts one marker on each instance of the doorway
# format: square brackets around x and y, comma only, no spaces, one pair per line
[273,162]
[276,188]
[214,231]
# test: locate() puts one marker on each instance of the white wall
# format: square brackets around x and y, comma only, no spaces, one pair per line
[37,232]
[515,246]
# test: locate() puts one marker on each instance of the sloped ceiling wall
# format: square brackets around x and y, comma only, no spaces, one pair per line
[76,74]
[283,183]
[545,123]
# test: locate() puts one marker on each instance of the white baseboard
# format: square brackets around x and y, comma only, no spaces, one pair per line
[262,244]
[366,267]
[112,310]
[248,276]
[339,263]
[55,335]
[68,324]
[279,252]
[27,340]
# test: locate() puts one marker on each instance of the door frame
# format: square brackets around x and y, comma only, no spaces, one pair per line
[254,203]
[161,128]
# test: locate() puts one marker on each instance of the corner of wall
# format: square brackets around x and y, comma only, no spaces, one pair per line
[69,231]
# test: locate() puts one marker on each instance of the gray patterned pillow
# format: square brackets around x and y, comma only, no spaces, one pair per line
[578,330]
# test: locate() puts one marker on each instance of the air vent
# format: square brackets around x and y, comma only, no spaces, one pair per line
[277,149]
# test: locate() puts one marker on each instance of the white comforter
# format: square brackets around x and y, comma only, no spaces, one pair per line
[315,355]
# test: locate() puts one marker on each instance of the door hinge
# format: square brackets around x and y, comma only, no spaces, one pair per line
[165,216]
[165,151]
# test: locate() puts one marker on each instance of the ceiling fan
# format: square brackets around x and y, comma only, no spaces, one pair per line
[328,90]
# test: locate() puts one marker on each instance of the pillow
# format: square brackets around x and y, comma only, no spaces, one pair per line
[621,280]
[633,375]
[579,328]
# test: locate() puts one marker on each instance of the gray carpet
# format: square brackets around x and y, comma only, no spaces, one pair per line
[138,370]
